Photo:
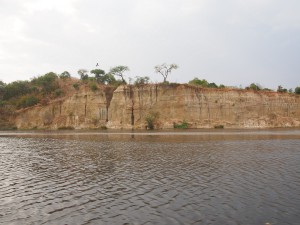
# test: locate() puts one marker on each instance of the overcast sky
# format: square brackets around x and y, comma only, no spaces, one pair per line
[231,42]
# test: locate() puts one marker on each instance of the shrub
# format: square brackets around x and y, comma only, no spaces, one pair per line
[183,125]
[66,128]
[202,83]
[219,126]
[212,85]
[2,103]
[93,86]
[58,92]
[297,90]
[254,86]
[16,89]
[141,80]
[47,82]
[65,75]
[267,89]
[27,101]
[151,119]
[280,89]
[197,81]
[76,86]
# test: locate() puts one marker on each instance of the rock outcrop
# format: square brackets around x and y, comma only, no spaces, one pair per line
[128,106]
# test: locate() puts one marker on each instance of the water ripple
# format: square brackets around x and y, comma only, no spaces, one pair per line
[47,180]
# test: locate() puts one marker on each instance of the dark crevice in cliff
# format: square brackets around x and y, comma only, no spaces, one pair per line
[156,92]
[109,93]
[140,95]
[85,104]
[131,96]
[208,108]
[199,101]
[60,104]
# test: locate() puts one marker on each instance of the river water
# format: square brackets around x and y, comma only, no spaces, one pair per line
[191,177]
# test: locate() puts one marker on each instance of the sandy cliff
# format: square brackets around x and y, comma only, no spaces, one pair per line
[127,107]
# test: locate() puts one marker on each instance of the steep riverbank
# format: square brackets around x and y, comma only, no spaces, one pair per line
[127,107]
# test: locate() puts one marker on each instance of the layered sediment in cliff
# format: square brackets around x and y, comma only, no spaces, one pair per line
[128,106]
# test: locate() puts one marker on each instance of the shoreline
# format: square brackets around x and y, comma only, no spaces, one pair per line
[202,131]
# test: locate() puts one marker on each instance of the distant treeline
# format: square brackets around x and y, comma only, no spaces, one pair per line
[40,90]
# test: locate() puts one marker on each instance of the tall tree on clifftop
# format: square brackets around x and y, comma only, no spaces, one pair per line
[65,75]
[119,71]
[99,75]
[165,69]
[83,74]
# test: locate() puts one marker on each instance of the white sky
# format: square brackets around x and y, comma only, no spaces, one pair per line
[231,42]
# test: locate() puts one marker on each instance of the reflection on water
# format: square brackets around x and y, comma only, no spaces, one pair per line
[150,178]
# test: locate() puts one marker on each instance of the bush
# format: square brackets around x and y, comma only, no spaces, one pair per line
[183,125]
[65,75]
[267,89]
[280,89]
[254,86]
[219,126]
[16,89]
[297,90]
[151,119]
[27,101]
[202,83]
[212,85]
[58,92]
[141,80]
[2,103]
[93,86]
[66,128]
[47,82]
[76,86]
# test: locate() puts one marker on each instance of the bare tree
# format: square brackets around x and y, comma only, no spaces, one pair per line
[165,69]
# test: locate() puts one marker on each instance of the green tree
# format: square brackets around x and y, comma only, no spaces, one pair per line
[83,74]
[280,89]
[65,75]
[254,86]
[110,79]
[141,80]
[99,75]
[27,101]
[119,71]
[165,69]
[297,90]
[47,82]
[16,89]
[197,81]
[212,85]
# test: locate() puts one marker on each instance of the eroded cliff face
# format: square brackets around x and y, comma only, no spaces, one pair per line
[127,106]
[82,110]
